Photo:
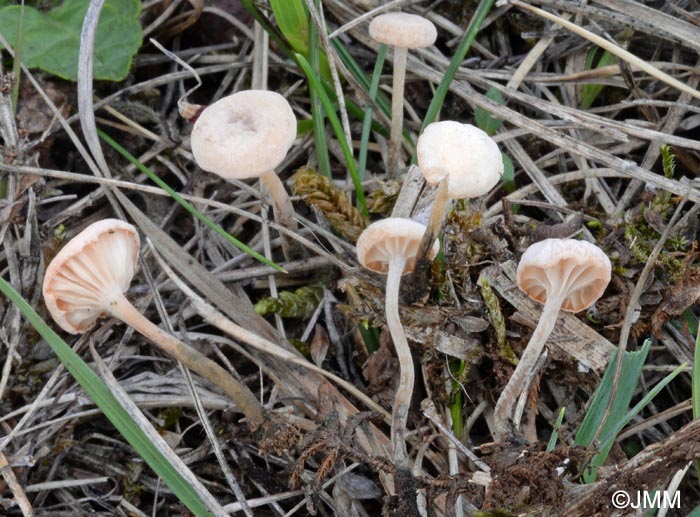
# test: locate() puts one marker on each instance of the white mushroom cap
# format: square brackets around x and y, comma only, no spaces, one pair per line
[403,30]
[464,154]
[244,135]
[388,238]
[90,272]
[577,269]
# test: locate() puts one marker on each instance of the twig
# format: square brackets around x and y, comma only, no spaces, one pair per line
[20,497]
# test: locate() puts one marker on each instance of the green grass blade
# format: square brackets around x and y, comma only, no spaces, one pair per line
[367,120]
[555,433]
[186,205]
[590,92]
[617,423]
[17,63]
[360,76]
[508,178]
[607,440]
[104,399]
[269,28]
[484,118]
[293,22]
[464,46]
[620,416]
[456,406]
[337,129]
[632,364]
[318,116]
[695,512]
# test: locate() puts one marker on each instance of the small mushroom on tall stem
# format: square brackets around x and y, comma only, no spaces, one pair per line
[562,274]
[87,280]
[403,31]
[464,162]
[389,246]
[247,135]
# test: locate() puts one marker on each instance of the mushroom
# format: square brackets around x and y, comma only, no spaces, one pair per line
[389,247]
[87,280]
[247,135]
[403,31]
[464,162]
[564,274]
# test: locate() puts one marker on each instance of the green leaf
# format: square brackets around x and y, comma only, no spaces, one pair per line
[367,119]
[293,21]
[632,364]
[52,38]
[620,416]
[109,405]
[508,178]
[294,24]
[695,512]
[555,433]
[590,92]
[484,119]
[318,115]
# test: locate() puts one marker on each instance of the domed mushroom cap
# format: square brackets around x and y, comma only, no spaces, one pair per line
[578,269]
[92,270]
[403,30]
[244,135]
[464,154]
[388,238]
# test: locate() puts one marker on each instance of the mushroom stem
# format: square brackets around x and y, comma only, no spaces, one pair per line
[419,277]
[284,214]
[191,358]
[400,58]
[503,413]
[402,401]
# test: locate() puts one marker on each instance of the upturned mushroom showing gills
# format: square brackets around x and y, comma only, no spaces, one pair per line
[403,31]
[87,280]
[247,135]
[389,247]
[564,274]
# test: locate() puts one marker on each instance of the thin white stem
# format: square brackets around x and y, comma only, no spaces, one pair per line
[437,217]
[402,401]
[191,358]
[522,399]
[284,214]
[421,273]
[503,413]
[400,58]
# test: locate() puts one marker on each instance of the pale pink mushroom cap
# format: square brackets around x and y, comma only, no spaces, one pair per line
[578,268]
[388,238]
[464,154]
[92,271]
[244,135]
[403,30]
